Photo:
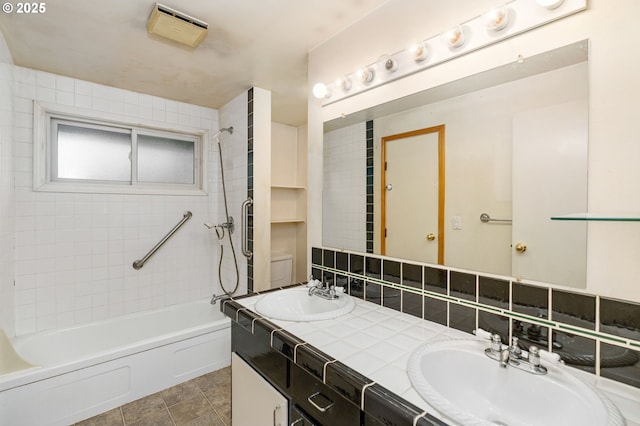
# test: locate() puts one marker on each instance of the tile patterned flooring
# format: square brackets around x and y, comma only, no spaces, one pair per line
[203,401]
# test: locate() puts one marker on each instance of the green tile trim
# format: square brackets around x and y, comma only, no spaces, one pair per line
[533,320]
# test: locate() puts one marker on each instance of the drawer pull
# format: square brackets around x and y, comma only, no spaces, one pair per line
[275,416]
[319,395]
[298,422]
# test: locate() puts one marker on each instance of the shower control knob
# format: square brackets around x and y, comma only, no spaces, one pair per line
[388,187]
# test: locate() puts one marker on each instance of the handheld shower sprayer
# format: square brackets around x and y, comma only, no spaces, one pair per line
[216,136]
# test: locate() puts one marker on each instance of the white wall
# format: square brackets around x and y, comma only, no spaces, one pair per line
[613,249]
[6,190]
[73,251]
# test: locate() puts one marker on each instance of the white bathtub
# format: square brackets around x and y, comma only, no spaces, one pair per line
[85,370]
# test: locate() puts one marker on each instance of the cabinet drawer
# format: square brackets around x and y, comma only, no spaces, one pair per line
[321,403]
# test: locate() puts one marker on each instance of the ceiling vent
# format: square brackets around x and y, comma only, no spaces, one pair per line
[176,26]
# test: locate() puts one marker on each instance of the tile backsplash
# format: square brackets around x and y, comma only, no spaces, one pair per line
[595,334]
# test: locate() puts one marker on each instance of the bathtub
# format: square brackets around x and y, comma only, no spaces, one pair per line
[82,371]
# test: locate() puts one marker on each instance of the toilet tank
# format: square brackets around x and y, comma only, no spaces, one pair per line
[281,269]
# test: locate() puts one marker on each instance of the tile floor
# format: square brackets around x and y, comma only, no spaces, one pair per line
[203,401]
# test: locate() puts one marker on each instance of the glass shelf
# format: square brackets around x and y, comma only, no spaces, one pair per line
[600,217]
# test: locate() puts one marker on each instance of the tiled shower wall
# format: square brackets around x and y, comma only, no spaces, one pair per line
[73,251]
[6,190]
[343,151]
[593,333]
[234,153]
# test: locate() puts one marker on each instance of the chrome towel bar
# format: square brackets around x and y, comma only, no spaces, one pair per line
[485,218]
[140,263]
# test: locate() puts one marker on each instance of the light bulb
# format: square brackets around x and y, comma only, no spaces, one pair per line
[365,75]
[389,64]
[496,19]
[344,83]
[321,91]
[454,38]
[418,51]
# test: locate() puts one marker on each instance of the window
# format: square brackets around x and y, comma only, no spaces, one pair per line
[102,156]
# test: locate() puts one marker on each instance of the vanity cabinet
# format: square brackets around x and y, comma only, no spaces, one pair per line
[268,406]
[310,402]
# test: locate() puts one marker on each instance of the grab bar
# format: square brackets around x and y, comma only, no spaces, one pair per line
[485,218]
[245,227]
[140,263]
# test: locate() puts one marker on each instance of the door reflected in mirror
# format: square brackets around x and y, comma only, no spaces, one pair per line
[516,150]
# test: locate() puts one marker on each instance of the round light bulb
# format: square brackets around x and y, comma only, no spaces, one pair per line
[454,38]
[418,51]
[496,19]
[321,91]
[344,83]
[365,75]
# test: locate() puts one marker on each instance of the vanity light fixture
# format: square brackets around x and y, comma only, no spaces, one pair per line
[418,51]
[497,18]
[321,91]
[511,18]
[454,38]
[365,75]
[344,83]
[550,4]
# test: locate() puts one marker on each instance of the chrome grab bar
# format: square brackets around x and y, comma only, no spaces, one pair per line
[485,218]
[140,263]
[245,227]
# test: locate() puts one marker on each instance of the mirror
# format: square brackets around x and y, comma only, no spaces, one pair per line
[513,155]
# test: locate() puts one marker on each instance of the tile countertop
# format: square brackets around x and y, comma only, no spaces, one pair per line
[377,342]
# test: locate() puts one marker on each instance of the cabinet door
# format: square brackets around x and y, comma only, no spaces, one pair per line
[254,402]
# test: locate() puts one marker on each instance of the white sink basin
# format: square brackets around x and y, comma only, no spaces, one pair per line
[456,378]
[295,304]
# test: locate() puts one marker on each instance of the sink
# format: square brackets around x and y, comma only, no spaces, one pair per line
[295,304]
[457,379]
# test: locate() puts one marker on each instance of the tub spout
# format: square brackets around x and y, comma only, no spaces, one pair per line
[222,296]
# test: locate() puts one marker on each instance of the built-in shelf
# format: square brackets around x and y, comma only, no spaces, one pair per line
[287,187]
[600,217]
[274,221]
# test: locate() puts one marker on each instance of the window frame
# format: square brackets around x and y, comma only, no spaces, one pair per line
[45,115]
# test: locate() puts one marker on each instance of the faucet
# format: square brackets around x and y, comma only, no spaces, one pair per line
[514,357]
[324,291]
[223,296]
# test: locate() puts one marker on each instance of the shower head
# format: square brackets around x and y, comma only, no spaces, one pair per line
[216,136]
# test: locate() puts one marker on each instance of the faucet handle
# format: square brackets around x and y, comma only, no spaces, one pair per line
[515,348]
[534,356]
[496,343]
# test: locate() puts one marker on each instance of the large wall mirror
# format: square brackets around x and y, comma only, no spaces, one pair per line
[469,174]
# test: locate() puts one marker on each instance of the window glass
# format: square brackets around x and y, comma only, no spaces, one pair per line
[165,160]
[91,153]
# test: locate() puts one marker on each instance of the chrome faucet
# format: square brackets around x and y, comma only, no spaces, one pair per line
[514,357]
[324,291]
[223,296]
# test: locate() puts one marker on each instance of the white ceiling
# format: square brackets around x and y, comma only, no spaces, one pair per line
[261,43]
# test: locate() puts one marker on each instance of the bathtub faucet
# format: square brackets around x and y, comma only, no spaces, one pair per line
[222,296]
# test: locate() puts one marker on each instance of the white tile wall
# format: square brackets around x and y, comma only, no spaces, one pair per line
[73,251]
[344,185]
[7,222]
[234,154]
